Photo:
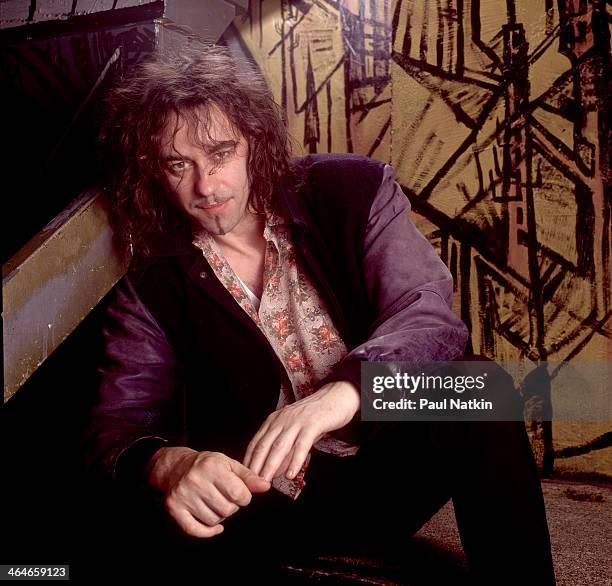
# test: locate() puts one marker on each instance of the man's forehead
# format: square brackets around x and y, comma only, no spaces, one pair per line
[206,127]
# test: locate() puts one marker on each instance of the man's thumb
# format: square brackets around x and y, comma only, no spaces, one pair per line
[253,482]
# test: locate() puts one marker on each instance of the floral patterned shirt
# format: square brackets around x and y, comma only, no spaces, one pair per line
[294,319]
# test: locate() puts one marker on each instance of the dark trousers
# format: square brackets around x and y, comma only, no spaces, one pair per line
[375,500]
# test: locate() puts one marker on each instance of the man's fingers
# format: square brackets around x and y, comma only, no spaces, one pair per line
[206,514]
[257,484]
[301,449]
[273,470]
[279,449]
[253,482]
[220,506]
[262,448]
[285,464]
[248,456]
[192,526]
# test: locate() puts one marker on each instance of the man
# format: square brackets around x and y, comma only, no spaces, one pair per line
[231,388]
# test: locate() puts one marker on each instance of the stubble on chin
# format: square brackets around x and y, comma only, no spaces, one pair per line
[220,230]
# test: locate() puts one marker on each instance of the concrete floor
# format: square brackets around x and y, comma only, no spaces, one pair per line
[580,524]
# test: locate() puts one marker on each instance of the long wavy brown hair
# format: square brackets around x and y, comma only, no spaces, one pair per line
[168,86]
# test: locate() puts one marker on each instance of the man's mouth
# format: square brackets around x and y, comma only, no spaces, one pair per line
[213,207]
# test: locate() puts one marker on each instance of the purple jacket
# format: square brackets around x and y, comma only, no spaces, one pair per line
[172,329]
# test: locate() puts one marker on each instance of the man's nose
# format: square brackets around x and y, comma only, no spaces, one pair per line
[205,182]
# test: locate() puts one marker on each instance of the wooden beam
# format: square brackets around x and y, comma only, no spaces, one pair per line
[53,283]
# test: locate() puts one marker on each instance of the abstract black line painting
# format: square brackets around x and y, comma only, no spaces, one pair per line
[328,64]
[511,165]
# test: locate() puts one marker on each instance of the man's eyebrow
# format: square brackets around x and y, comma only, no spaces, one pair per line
[219,146]
[208,148]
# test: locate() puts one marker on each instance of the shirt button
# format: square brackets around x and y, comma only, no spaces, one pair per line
[203,275]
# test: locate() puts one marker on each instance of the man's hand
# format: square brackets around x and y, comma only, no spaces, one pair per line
[282,443]
[202,489]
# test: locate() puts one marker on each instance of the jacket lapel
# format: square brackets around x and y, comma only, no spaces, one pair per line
[311,246]
[204,277]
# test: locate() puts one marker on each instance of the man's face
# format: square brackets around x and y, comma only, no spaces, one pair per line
[205,164]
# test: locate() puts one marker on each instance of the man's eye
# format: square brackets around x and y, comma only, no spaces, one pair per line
[222,156]
[176,166]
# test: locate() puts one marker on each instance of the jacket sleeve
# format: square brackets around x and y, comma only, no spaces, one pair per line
[137,407]
[410,288]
